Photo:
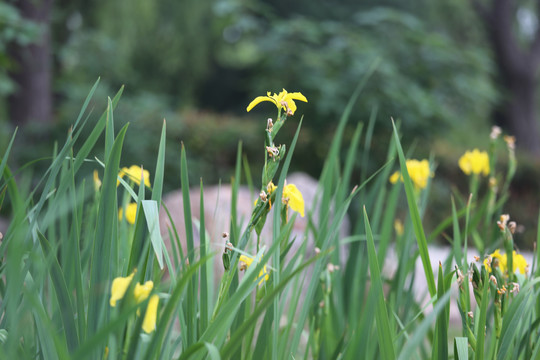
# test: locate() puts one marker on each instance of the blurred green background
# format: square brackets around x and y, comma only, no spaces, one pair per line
[441,71]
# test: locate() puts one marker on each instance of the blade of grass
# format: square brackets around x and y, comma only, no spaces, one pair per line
[340,211]
[420,333]
[109,129]
[415,216]
[151,213]
[481,324]
[276,231]
[234,234]
[153,350]
[386,345]
[98,340]
[440,345]
[157,189]
[461,348]
[104,239]
[65,305]
[236,337]
[519,309]
[205,285]
[50,345]
[77,268]
[85,104]
[216,332]
[190,309]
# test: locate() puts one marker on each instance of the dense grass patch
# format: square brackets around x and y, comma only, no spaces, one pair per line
[79,281]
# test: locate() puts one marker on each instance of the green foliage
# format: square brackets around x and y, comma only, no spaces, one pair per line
[14,31]
[412,81]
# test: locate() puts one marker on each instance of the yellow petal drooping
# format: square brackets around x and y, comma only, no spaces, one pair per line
[149,321]
[257,101]
[294,198]
[119,287]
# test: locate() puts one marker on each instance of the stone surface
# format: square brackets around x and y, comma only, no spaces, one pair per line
[217,213]
[436,254]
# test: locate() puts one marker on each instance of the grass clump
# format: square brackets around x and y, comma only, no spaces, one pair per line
[83,261]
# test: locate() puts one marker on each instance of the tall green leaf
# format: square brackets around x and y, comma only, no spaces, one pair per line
[415,216]
[104,239]
[65,304]
[386,345]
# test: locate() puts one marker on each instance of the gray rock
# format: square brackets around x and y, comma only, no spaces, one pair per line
[217,214]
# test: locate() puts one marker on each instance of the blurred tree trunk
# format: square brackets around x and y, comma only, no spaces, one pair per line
[517,67]
[32,100]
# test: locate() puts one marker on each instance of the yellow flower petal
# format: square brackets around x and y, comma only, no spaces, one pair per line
[134,173]
[257,101]
[294,197]
[248,261]
[283,100]
[474,162]
[119,287]
[519,263]
[149,321]
[398,227]
[141,292]
[419,173]
[497,260]
[395,177]
[501,261]
[293,96]
[131,213]
[245,259]
[297,96]
[97,181]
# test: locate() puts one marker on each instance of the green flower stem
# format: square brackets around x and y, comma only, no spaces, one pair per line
[473,186]
[508,242]
[490,210]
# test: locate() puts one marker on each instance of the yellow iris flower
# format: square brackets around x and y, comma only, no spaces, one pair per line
[418,171]
[248,261]
[134,173]
[292,197]
[500,260]
[131,213]
[119,287]
[140,294]
[283,100]
[475,162]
